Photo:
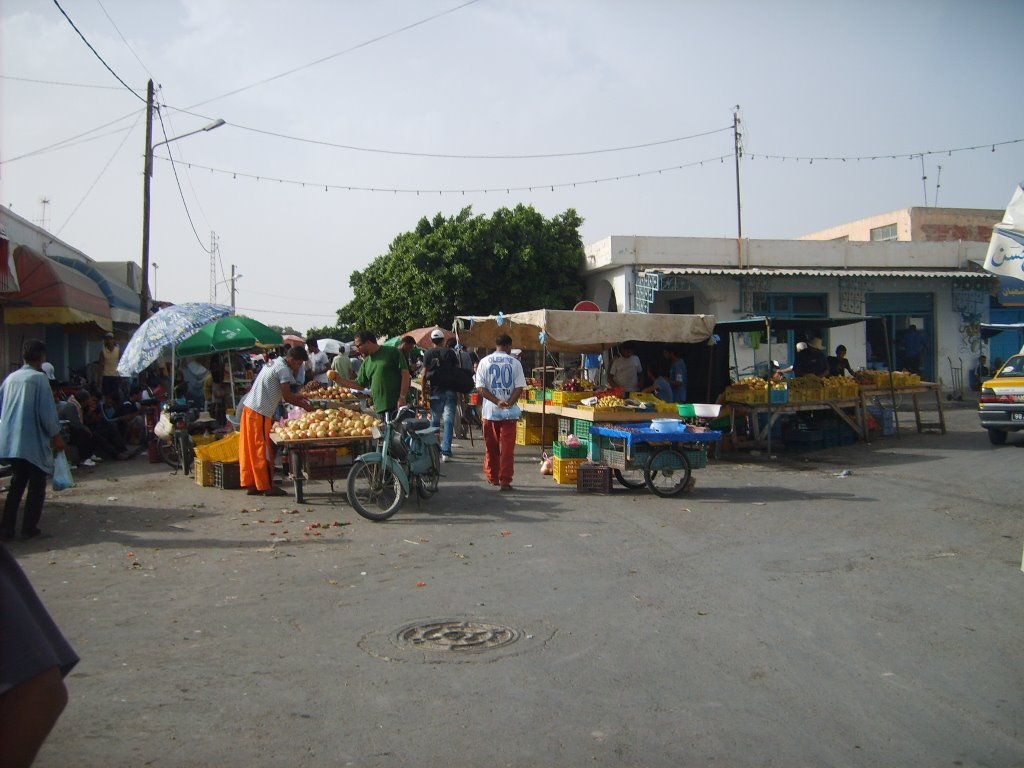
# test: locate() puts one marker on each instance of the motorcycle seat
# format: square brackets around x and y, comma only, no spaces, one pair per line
[414,425]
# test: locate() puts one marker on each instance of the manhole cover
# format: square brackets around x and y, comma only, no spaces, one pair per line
[439,641]
[456,636]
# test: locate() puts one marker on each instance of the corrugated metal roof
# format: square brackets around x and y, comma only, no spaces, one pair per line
[801,272]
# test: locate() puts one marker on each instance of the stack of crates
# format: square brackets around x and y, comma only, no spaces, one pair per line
[528,429]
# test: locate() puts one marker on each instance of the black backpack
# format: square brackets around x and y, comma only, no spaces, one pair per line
[443,372]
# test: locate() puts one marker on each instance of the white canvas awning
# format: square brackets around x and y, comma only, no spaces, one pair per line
[568,331]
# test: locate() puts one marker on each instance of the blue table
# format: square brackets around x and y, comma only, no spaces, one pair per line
[641,456]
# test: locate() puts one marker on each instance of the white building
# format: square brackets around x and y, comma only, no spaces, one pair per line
[936,286]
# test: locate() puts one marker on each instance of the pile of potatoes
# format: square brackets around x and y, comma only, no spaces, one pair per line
[332,422]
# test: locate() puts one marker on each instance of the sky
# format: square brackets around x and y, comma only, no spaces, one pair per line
[408,85]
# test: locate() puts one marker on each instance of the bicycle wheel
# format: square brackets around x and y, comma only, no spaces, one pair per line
[426,484]
[168,452]
[632,478]
[667,472]
[374,491]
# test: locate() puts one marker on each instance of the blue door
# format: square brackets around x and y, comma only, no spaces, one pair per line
[901,311]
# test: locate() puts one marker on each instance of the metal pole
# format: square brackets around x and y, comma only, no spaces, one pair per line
[147,174]
[737,153]
[232,289]
[771,380]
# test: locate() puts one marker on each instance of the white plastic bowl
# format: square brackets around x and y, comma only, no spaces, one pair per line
[707,410]
[667,425]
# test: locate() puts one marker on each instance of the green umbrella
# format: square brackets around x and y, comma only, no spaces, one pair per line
[394,341]
[234,332]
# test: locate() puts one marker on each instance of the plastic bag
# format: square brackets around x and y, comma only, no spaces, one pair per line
[547,464]
[62,479]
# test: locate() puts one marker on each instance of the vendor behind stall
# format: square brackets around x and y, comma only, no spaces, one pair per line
[626,369]
[839,365]
[256,451]
[811,360]
[384,371]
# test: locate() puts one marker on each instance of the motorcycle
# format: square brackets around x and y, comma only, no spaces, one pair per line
[408,457]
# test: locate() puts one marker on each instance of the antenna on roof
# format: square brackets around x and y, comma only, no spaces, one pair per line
[43,202]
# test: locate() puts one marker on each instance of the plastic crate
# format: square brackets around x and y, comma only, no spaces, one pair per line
[886,418]
[593,478]
[198,440]
[529,435]
[563,451]
[568,398]
[747,395]
[581,428]
[532,395]
[203,469]
[565,470]
[564,426]
[780,395]
[226,475]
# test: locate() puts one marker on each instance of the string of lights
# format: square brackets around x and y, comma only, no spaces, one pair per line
[991,146]
[130,90]
[450,191]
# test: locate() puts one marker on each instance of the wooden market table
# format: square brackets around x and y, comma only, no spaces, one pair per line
[760,434]
[915,392]
[298,450]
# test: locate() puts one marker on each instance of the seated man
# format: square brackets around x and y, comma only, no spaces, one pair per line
[109,442]
[79,436]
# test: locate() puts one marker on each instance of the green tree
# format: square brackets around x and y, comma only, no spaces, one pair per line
[512,261]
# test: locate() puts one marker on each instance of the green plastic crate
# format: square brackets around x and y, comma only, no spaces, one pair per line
[563,451]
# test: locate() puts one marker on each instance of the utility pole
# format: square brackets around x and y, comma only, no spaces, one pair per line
[737,154]
[146,175]
[232,288]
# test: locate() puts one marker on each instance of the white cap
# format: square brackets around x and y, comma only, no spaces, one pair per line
[48,370]
[436,334]
[801,346]
[516,352]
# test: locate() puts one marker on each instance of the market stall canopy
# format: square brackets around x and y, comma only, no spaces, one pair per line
[292,340]
[124,302]
[568,331]
[52,293]
[422,336]
[988,330]
[331,346]
[8,273]
[228,333]
[759,323]
[167,327]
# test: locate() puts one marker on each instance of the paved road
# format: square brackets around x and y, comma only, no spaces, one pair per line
[779,615]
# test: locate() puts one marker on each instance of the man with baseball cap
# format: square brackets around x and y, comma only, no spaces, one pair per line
[442,401]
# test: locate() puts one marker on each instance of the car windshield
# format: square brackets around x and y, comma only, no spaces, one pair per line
[1013,367]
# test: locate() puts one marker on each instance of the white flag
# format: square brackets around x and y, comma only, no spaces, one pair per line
[1006,249]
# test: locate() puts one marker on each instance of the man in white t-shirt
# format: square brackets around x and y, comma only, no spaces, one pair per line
[500,380]
[625,369]
[318,364]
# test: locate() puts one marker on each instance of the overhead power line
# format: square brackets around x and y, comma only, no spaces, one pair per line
[321,60]
[465,156]
[124,40]
[177,181]
[452,191]
[96,53]
[287,311]
[63,82]
[68,141]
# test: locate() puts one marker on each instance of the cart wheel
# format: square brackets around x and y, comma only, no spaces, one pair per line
[631,478]
[667,472]
[374,491]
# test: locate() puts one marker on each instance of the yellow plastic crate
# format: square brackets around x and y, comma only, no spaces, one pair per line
[747,395]
[204,472]
[566,470]
[568,398]
[222,450]
[531,435]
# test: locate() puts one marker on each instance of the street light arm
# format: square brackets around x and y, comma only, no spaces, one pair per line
[215,124]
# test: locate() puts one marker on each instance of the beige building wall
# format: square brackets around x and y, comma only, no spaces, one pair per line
[919,225]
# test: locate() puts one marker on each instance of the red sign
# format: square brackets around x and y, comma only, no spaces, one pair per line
[586,306]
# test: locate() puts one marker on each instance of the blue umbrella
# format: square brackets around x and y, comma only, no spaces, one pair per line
[167,327]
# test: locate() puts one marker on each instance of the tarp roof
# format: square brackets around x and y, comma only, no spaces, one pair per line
[124,302]
[788,323]
[988,330]
[53,293]
[568,331]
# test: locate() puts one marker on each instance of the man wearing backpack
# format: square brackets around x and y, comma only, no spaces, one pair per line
[437,364]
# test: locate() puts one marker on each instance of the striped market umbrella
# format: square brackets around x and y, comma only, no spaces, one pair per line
[168,327]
